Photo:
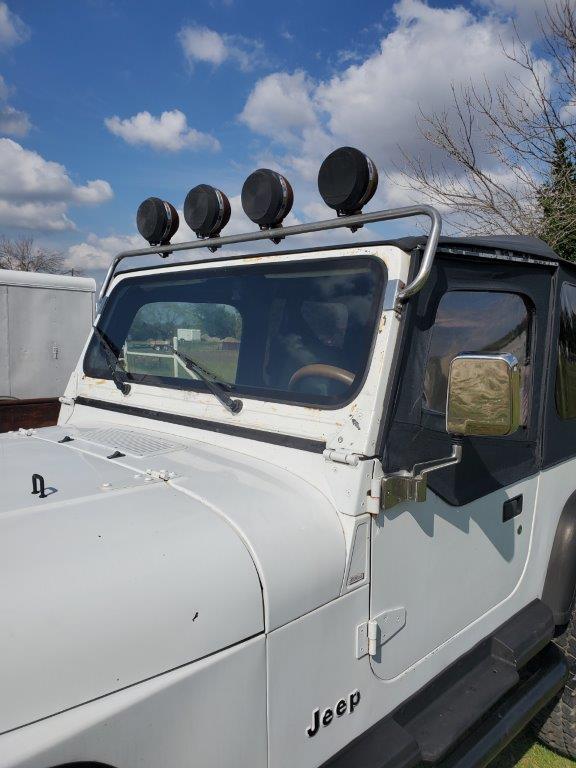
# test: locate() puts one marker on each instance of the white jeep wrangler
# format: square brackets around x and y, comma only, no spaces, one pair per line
[301,509]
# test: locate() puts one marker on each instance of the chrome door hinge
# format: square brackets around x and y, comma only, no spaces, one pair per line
[406,486]
[373,634]
[340,456]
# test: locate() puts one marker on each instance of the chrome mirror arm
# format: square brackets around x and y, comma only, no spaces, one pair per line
[425,467]
[399,487]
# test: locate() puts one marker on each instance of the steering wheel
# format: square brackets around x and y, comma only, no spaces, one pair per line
[331,372]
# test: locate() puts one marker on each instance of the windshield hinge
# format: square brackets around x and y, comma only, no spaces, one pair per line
[373,497]
[340,456]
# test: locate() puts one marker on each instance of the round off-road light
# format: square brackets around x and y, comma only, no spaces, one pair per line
[347,180]
[267,198]
[157,221]
[206,210]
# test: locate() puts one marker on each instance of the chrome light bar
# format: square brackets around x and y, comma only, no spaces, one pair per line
[354,221]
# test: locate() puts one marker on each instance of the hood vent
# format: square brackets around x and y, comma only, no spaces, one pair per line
[133,443]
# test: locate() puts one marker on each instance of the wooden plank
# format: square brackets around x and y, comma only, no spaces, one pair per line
[39,412]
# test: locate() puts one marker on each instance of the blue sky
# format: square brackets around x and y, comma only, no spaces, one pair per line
[105,102]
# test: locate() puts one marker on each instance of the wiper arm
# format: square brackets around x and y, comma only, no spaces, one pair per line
[112,361]
[234,406]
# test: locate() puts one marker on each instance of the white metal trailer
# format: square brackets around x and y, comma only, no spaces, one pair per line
[44,322]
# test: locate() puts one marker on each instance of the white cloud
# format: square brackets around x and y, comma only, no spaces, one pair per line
[48,217]
[13,31]
[168,132]
[201,44]
[97,252]
[280,106]
[568,113]
[527,14]
[35,193]
[374,105]
[12,121]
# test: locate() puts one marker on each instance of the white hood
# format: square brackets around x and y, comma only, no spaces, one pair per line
[118,576]
[103,587]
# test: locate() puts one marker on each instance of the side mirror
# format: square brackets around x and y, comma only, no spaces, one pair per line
[483,395]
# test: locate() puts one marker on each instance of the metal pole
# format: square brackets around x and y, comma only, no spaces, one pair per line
[301,229]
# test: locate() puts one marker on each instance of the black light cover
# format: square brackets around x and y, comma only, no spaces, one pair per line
[206,210]
[267,198]
[347,180]
[157,221]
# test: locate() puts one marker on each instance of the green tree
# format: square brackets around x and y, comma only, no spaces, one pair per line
[558,201]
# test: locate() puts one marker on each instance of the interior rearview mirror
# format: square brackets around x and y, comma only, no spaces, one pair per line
[483,395]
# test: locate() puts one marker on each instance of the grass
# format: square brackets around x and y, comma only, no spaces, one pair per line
[221,362]
[527,752]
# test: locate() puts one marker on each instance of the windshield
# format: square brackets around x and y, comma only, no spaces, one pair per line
[296,332]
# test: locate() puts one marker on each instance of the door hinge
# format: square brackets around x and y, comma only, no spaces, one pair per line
[340,456]
[373,634]
[405,486]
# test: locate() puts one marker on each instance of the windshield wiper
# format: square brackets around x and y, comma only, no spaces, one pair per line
[217,389]
[112,362]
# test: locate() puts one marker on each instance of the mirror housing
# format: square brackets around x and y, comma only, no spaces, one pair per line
[483,395]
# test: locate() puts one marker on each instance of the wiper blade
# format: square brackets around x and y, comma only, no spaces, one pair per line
[217,389]
[112,362]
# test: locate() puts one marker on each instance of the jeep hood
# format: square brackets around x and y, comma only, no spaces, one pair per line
[145,555]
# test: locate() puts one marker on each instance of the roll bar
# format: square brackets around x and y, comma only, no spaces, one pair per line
[352,222]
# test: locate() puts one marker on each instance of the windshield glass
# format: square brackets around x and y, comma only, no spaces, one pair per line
[297,332]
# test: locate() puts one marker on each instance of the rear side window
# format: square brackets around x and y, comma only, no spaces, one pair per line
[475,321]
[566,370]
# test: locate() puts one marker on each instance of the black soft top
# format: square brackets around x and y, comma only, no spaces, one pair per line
[530,246]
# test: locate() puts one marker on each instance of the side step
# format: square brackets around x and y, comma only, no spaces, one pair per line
[506,721]
[476,706]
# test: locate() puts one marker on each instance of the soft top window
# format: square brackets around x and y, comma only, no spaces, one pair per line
[299,332]
[566,368]
[474,321]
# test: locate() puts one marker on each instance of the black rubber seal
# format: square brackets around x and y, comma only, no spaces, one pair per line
[263,436]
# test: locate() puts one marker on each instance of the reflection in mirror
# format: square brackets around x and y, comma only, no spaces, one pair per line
[483,395]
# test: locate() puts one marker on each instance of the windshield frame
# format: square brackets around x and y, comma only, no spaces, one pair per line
[243,391]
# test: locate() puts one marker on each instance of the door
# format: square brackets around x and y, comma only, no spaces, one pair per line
[441,564]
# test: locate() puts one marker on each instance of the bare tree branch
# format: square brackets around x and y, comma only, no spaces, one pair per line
[500,143]
[21,254]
